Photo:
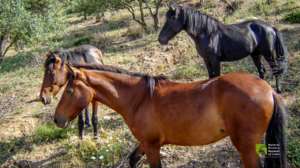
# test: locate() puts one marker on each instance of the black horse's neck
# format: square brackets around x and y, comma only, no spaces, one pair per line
[196,23]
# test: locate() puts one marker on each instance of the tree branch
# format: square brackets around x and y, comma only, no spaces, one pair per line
[130,9]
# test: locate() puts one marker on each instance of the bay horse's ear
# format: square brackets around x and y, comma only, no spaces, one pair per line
[53,56]
[46,54]
[73,74]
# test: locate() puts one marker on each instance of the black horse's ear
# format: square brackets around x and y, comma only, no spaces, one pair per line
[172,8]
[72,71]
[53,56]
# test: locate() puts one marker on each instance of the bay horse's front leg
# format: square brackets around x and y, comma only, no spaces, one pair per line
[152,153]
[95,118]
[136,155]
[80,125]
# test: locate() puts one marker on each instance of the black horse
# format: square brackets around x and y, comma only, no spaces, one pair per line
[216,42]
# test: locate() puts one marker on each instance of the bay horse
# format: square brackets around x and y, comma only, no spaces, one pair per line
[159,112]
[56,76]
[216,42]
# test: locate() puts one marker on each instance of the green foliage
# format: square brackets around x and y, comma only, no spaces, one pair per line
[20,26]
[49,132]
[293,17]
[83,40]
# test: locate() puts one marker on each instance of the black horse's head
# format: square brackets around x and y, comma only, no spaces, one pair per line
[174,24]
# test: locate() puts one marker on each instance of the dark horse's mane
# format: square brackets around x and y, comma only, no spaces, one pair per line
[150,79]
[73,55]
[195,21]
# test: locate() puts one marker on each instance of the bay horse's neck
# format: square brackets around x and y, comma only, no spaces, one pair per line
[121,92]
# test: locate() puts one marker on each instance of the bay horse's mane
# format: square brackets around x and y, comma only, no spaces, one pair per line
[150,79]
[196,22]
[73,55]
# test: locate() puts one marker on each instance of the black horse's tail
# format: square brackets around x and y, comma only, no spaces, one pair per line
[276,134]
[282,54]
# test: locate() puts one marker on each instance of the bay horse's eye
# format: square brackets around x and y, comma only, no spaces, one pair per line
[69,91]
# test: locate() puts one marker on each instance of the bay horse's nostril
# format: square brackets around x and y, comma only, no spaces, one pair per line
[43,100]
[55,120]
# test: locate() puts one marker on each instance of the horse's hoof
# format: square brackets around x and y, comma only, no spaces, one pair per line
[95,137]
[88,125]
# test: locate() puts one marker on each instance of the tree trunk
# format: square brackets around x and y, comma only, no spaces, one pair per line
[1,61]
[155,15]
[85,16]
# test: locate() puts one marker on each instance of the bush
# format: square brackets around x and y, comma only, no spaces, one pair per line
[293,17]
[49,131]
[83,40]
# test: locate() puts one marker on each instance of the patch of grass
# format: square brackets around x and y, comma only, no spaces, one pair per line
[38,114]
[127,60]
[111,25]
[49,132]
[293,17]
[22,59]
[108,153]
[19,111]
[83,40]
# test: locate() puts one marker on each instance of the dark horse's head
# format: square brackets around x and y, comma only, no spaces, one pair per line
[174,24]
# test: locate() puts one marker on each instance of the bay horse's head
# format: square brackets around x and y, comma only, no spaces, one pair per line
[55,77]
[75,98]
[173,25]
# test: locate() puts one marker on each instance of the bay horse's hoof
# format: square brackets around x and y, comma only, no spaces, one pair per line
[95,137]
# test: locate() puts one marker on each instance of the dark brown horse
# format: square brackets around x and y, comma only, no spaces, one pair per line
[216,42]
[56,77]
[159,112]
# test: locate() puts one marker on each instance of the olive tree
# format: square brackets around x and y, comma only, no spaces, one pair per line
[20,26]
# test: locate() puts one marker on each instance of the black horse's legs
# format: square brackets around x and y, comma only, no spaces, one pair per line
[87,119]
[277,84]
[95,118]
[216,68]
[257,59]
[270,59]
[136,155]
[209,68]
[80,125]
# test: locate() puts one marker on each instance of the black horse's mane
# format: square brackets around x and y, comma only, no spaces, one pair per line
[73,55]
[195,21]
[150,79]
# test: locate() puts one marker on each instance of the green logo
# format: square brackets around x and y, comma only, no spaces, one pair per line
[261,148]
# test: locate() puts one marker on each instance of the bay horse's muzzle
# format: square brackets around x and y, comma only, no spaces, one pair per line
[46,101]
[61,122]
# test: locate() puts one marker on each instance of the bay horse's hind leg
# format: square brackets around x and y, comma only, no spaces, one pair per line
[95,118]
[247,150]
[136,155]
[257,59]
[87,119]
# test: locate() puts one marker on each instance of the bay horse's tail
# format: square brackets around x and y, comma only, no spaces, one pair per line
[276,134]
[282,54]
